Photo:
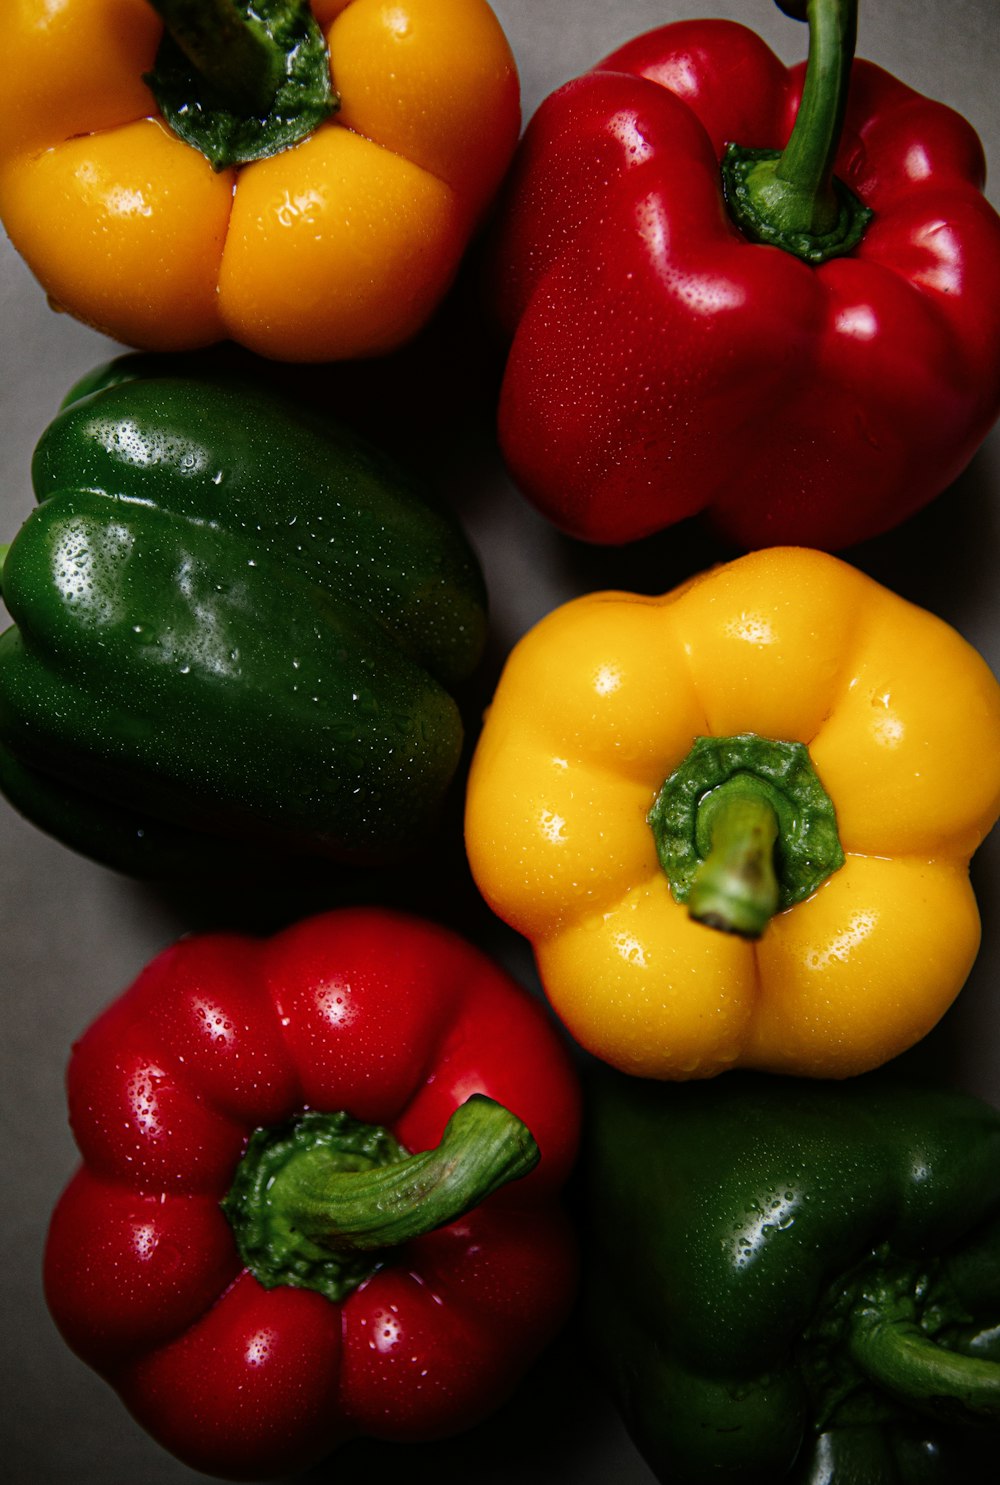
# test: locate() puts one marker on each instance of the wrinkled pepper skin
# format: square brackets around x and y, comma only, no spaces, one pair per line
[340,247]
[600,704]
[235,632]
[396,1021]
[748,1235]
[661,364]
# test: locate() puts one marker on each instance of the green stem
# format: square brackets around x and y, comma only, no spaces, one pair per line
[800,193]
[790,198]
[483,1147]
[316,1204]
[4,549]
[895,1354]
[743,829]
[232,53]
[241,80]
[736,888]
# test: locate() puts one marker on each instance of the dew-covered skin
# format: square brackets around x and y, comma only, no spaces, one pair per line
[234,621]
[763,1214]
[900,718]
[662,364]
[394,1020]
[338,247]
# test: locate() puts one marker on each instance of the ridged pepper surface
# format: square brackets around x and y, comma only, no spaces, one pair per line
[251,1255]
[798,1282]
[235,630]
[668,358]
[735,821]
[300,179]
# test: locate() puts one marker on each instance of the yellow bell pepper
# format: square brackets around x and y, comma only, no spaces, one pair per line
[588,777]
[340,245]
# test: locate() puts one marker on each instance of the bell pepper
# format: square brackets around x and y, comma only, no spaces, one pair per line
[236,629]
[735,821]
[318,1195]
[302,179]
[798,1281]
[719,301]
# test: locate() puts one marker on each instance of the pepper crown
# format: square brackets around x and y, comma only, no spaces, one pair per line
[241,79]
[744,829]
[315,1204]
[790,198]
[889,1333]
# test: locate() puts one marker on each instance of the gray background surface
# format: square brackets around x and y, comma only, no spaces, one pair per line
[74,934]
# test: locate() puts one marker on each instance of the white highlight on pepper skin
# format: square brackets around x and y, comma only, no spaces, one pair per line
[552,826]
[751,629]
[840,947]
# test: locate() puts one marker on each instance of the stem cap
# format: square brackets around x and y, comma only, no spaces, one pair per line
[718,770]
[212,112]
[752,189]
[316,1204]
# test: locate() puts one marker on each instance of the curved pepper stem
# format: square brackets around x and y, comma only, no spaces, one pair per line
[240,80]
[888,1345]
[744,829]
[790,198]
[735,888]
[315,1205]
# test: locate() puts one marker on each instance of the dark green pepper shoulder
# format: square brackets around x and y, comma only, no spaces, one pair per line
[784,1273]
[233,622]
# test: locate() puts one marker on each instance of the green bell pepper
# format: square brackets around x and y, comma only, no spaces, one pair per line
[797,1281]
[236,631]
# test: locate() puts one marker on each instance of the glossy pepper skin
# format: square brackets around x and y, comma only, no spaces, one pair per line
[394,1020]
[602,703]
[338,247]
[662,364]
[797,1281]
[236,627]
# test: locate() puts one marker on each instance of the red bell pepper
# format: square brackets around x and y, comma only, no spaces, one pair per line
[257,1297]
[796,330]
